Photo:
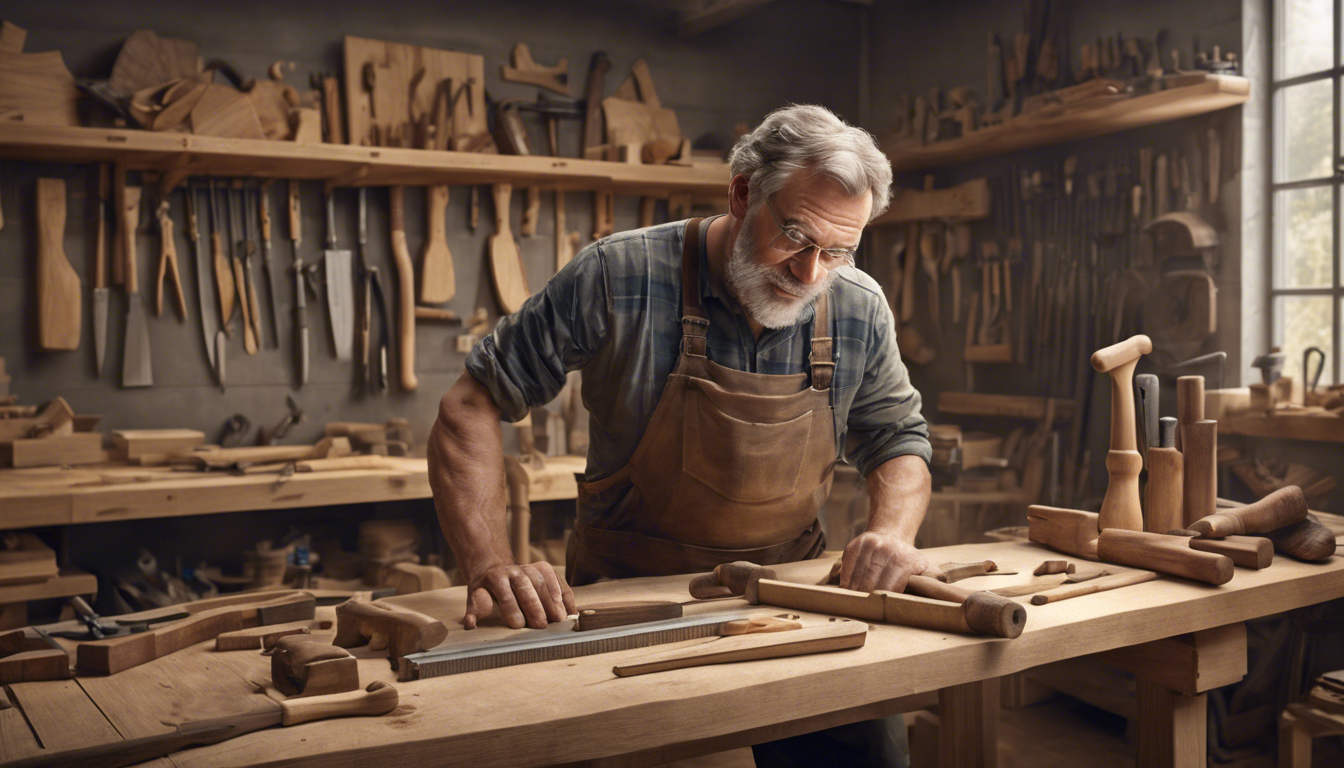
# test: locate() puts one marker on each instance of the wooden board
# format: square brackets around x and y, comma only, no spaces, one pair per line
[68,583]
[968,201]
[29,561]
[135,443]
[79,448]
[1320,428]
[403,62]
[62,716]
[17,740]
[37,89]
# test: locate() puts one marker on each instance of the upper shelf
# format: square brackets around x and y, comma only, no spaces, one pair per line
[180,155]
[1107,116]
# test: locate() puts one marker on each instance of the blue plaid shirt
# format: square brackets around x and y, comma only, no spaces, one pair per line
[615,312]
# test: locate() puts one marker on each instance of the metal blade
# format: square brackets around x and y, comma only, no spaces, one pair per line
[135,365]
[221,344]
[341,302]
[209,322]
[272,291]
[100,326]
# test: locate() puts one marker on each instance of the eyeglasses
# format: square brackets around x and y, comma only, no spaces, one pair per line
[796,244]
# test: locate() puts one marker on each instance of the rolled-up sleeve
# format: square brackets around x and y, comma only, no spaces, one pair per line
[885,420]
[523,362]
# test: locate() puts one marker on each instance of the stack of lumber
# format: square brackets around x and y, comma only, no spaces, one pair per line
[52,435]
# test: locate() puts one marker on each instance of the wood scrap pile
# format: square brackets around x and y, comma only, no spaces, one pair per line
[49,436]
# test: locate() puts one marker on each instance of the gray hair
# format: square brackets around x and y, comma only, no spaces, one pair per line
[806,136]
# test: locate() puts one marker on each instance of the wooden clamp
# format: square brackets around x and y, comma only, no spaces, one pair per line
[384,626]
[302,666]
[1122,507]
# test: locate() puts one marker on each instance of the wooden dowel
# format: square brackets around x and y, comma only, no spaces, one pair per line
[1201,470]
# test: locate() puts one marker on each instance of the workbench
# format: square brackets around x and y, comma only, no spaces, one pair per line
[1180,638]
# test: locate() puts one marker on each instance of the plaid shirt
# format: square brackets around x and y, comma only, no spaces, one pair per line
[615,312]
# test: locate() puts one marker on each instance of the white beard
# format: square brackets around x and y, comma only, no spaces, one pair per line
[753,284]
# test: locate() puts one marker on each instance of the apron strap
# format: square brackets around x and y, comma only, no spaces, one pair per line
[694,324]
[822,359]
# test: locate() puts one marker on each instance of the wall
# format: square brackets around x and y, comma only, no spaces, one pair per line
[732,74]
[918,45]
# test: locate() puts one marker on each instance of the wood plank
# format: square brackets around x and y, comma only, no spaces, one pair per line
[68,583]
[361,166]
[79,448]
[62,716]
[135,443]
[1108,116]
[968,201]
[17,740]
[1190,664]
[1318,428]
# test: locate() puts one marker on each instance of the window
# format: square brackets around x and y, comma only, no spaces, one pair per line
[1306,296]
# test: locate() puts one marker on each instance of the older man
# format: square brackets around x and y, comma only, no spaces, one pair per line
[728,364]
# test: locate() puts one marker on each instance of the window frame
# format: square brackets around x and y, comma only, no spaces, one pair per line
[1334,74]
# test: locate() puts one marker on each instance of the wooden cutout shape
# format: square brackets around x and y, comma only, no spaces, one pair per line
[58,286]
[383,626]
[526,70]
[302,666]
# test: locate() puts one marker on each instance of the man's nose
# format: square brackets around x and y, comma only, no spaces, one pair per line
[807,267]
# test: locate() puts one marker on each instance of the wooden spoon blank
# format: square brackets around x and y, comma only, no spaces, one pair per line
[506,266]
[438,283]
[58,301]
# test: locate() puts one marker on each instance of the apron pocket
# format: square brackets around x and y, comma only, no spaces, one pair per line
[743,461]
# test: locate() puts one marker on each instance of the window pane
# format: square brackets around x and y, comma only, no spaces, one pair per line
[1301,322]
[1303,131]
[1303,238]
[1305,40]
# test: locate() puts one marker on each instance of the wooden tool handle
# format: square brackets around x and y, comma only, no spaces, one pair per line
[833,636]
[986,612]
[603,615]
[405,290]
[1071,531]
[1305,540]
[436,204]
[295,220]
[1283,507]
[1166,491]
[730,580]
[1129,350]
[1254,552]
[130,220]
[502,193]
[1165,554]
[264,213]
[378,699]
[1122,506]
[937,590]
[240,286]
[1088,587]
[168,266]
[100,248]
[383,625]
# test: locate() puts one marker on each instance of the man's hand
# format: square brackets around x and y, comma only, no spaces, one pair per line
[875,561]
[530,595]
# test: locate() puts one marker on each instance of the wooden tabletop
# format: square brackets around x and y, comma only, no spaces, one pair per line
[564,711]
[97,494]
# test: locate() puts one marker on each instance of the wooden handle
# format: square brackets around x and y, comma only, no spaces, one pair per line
[378,699]
[1071,531]
[502,193]
[223,280]
[1253,552]
[240,286]
[1189,404]
[1122,506]
[1305,540]
[100,248]
[1200,485]
[382,625]
[1089,587]
[833,636]
[1166,554]
[603,615]
[401,254]
[1166,489]
[1283,507]
[436,204]
[130,220]
[168,266]
[295,220]
[264,213]
[986,613]
[729,580]
[1129,350]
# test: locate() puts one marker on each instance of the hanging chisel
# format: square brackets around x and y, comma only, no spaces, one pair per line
[272,290]
[135,365]
[300,299]
[340,288]
[239,277]
[100,292]
[375,280]
[364,317]
[373,284]
[249,249]
[209,323]
[223,275]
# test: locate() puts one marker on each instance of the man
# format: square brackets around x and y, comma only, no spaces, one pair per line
[726,362]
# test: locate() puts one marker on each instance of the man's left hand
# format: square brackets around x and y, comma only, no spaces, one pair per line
[874,561]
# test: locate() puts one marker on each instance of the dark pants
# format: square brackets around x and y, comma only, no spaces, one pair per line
[876,743]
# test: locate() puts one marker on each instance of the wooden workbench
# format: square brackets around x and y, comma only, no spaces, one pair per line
[577,710]
[100,494]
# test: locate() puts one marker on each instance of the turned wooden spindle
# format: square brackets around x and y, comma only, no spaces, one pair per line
[1165,509]
[1201,470]
[1189,405]
[1122,506]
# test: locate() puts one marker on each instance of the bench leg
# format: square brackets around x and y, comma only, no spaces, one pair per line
[1294,743]
[968,725]
[1172,727]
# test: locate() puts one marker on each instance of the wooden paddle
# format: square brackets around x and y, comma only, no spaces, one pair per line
[506,266]
[437,281]
[58,302]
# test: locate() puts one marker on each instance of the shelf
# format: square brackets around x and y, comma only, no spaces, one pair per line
[1318,428]
[1105,116]
[69,583]
[1003,406]
[181,154]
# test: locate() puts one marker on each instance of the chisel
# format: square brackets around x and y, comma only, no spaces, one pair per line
[300,299]
[239,277]
[223,276]
[249,249]
[100,292]
[365,300]
[340,291]
[264,212]
[209,323]
[135,364]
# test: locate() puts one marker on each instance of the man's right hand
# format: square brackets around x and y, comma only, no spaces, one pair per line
[527,595]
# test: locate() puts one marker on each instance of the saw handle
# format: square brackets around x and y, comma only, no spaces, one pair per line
[378,699]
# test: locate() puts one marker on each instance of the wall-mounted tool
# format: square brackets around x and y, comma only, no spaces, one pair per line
[224,286]
[525,70]
[100,267]
[300,272]
[236,248]
[272,288]
[340,288]
[209,320]
[168,270]
[135,363]
[506,266]
[438,283]
[58,287]
[248,210]
[401,256]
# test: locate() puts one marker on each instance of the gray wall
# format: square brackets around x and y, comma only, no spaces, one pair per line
[731,74]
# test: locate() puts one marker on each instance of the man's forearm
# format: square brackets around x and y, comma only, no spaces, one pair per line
[466,473]
[899,491]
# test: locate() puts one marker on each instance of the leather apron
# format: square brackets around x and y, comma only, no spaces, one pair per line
[733,465]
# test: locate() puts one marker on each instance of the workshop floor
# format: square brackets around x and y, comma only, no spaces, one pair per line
[1062,732]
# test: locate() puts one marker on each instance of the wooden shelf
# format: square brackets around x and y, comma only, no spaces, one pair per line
[1323,429]
[1003,406]
[1098,119]
[69,583]
[179,155]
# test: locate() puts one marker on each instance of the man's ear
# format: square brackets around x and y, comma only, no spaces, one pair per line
[739,196]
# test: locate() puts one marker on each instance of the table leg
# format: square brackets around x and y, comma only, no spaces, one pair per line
[968,725]
[1294,743]
[1172,728]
